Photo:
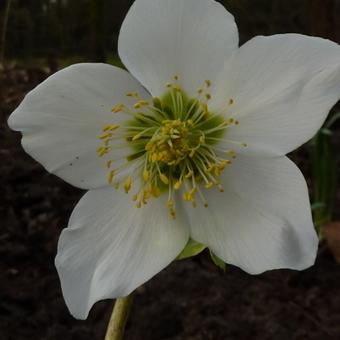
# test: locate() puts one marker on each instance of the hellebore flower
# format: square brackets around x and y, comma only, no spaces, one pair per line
[196,136]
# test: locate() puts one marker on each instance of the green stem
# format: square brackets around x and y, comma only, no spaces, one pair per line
[120,314]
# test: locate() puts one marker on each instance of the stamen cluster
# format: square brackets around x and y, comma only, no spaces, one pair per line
[174,146]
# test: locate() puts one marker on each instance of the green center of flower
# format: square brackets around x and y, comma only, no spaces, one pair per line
[174,147]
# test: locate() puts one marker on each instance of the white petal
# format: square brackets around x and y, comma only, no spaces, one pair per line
[111,247]
[189,38]
[283,87]
[62,118]
[263,219]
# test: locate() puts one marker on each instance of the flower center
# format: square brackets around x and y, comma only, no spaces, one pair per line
[171,144]
[174,147]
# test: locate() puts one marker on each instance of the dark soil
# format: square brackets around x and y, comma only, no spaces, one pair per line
[190,300]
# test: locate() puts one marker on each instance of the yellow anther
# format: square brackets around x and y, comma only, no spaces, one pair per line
[139,205]
[164,178]
[127,184]
[170,203]
[106,135]
[110,176]
[208,96]
[146,175]
[116,185]
[190,195]
[132,94]
[114,127]
[206,205]
[155,191]
[118,108]
[208,83]
[218,171]
[102,151]
[199,91]
[209,185]
[134,198]
[110,128]
[140,104]
[176,77]
[177,185]
[187,197]
[146,195]
[223,164]
[231,101]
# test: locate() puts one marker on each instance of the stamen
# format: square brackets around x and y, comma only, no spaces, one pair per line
[102,151]
[164,178]
[118,108]
[140,104]
[146,175]
[111,175]
[132,94]
[127,184]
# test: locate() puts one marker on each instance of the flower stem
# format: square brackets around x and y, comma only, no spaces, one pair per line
[120,314]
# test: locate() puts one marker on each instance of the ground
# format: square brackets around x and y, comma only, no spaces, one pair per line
[189,300]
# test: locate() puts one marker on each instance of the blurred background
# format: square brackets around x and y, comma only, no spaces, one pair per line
[192,299]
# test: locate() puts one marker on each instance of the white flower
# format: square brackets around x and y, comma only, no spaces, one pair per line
[207,125]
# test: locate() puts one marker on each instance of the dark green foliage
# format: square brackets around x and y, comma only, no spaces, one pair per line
[324,173]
